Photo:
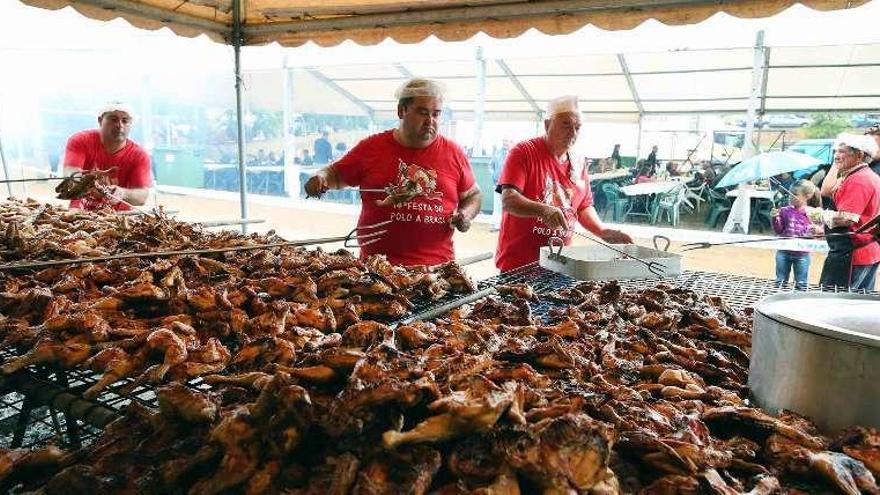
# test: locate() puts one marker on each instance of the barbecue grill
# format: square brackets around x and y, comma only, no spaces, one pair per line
[35,424]
[739,291]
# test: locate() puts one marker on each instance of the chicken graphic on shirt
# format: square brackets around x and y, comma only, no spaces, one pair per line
[412,181]
[556,195]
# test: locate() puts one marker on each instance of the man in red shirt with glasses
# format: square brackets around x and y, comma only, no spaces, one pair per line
[108,148]
[852,259]
[545,191]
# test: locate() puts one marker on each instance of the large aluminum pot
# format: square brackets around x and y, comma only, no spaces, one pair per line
[818,354]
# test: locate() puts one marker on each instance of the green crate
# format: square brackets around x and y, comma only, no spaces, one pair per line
[481,165]
[179,166]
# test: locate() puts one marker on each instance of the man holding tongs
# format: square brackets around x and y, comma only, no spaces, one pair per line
[545,191]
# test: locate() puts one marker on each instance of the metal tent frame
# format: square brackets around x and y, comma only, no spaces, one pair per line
[241,23]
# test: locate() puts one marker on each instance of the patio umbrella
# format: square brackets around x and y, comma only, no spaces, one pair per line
[767,165]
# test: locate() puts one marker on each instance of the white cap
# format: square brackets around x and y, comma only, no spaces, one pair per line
[562,104]
[115,106]
[420,87]
[866,144]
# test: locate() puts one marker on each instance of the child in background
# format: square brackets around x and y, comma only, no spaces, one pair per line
[793,221]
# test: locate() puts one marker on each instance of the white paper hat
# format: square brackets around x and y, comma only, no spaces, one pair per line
[859,142]
[562,104]
[420,87]
[116,106]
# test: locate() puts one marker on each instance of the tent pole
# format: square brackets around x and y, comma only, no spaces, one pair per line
[754,95]
[5,167]
[639,139]
[242,173]
[291,169]
[479,103]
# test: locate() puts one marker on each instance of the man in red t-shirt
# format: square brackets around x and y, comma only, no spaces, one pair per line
[108,147]
[855,189]
[413,157]
[544,191]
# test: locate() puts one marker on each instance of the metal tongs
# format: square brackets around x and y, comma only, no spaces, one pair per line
[357,237]
[864,229]
[654,267]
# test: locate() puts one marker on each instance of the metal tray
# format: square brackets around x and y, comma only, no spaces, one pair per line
[601,263]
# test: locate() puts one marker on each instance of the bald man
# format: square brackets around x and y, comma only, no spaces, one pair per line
[545,192]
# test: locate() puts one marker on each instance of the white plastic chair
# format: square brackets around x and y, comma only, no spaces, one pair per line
[670,204]
[697,195]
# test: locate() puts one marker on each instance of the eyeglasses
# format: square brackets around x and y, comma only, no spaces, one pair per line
[874,129]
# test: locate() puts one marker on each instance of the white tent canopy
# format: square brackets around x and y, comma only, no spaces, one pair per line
[329,22]
[617,87]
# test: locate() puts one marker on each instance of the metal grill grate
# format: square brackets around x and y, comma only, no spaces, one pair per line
[738,290]
[116,396]
[424,305]
[26,424]
[27,421]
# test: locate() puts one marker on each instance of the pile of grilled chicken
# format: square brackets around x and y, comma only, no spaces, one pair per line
[615,391]
[159,320]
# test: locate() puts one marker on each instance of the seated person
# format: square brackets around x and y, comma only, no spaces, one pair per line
[644,172]
[703,174]
[306,158]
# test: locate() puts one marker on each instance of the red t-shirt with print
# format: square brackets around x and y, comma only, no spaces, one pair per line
[533,171]
[859,193]
[419,232]
[85,152]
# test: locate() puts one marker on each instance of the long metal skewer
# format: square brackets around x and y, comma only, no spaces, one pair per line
[705,245]
[864,229]
[33,179]
[354,235]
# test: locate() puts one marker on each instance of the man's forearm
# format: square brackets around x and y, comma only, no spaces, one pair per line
[137,196]
[829,183]
[331,176]
[513,202]
[469,203]
[589,218]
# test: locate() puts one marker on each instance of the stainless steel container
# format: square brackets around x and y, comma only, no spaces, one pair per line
[600,263]
[818,354]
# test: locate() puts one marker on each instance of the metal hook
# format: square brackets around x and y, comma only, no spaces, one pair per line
[558,244]
[662,238]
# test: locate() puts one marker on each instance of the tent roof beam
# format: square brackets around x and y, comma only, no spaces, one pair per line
[519,86]
[339,89]
[140,9]
[476,13]
[629,82]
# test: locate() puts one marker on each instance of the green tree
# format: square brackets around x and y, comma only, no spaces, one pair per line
[826,125]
